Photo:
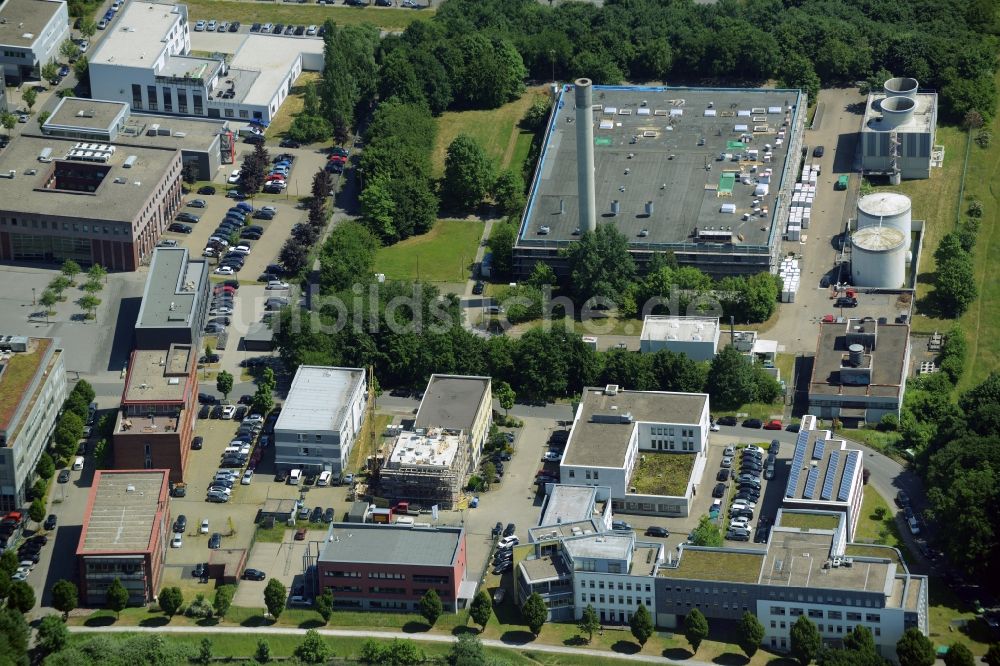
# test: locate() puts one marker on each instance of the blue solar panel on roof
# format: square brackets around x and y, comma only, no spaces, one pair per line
[831,473]
[797,459]
[845,483]
[810,488]
[819,448]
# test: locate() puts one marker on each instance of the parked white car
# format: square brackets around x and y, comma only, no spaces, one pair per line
[228,411]
[551,456]
[247,478]
[739,523]
[177,542]
[234,177]
[204,526]
[224,270]
[508,542]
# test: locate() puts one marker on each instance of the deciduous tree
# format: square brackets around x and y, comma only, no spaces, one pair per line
[751,633]
[224,384]
[589,622]
[641,624]
[313,649]
[600,265]
[535,613]
[468,173]
[431,606]
[481,609]
[959,655]
[171,599]
[20,596]
[64,596]
[223,600]
[805,640]
[695,628]
[52,634]
[915,649]
[275,596]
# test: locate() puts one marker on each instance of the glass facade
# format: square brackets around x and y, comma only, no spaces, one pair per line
[31,247]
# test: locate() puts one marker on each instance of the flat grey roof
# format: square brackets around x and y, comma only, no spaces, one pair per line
[112,202]
[391,544]
[78,112]
[190,67]
[160,376]
[22,21]
[797,558]
[665,164]
[683,329]
[123,515]
[604,444]
[609,545]
[272,58]
[172,289]
[544,568]
[451,401]
[568,504]
[139,34]
[565,529]
[887,361]
[318,398]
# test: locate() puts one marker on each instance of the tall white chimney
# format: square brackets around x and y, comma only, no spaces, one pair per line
[585,155]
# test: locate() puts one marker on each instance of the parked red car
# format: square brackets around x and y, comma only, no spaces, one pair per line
[773,424]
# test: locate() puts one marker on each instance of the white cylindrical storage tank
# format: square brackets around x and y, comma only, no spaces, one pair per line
[887,209]
[878,257]
[897,111]
[900,86]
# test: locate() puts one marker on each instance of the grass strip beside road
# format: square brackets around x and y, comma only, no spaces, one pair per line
[387,18]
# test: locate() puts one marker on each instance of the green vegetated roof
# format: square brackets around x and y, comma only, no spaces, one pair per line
[720,565]
[809,521]
[663,473]
[871,550]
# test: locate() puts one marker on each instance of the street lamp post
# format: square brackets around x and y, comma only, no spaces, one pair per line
[33,296]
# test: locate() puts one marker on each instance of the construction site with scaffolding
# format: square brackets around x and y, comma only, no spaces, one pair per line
[426,467]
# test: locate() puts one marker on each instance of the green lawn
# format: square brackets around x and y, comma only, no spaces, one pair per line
[883,442]
[444,254]
[871,529]
[303,14]
[292,106]
[663,473]
[496,130]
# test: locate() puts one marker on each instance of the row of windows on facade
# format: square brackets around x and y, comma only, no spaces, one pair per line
[114,230]
[775,595]
[831,628]
[380,575]
[622,600]
[627,586]
[646,507]
[15,54]
[669,431]
[182,104]
[357,589]
[830,614]
[670,445]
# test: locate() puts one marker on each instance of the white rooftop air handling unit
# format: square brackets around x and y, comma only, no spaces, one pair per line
[900,86]
[897,111]
[583,93]
[886,209]
[878,258]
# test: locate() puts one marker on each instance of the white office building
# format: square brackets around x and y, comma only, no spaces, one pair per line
[619,438]
[31,32]
[146,61]
[321,418]
[695,337]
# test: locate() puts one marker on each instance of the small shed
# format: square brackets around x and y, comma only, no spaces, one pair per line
[279,510]
[225,566]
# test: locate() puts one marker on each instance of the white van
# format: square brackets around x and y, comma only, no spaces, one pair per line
[78,463]
[324,478]
[45,155]
[294,477]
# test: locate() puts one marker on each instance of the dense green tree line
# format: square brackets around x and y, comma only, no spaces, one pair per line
[948,45]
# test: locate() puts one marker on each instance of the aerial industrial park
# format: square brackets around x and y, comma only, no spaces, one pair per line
[389,335]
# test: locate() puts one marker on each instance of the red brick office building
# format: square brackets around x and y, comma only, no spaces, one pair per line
[158,409]
[390,567]
[125,535]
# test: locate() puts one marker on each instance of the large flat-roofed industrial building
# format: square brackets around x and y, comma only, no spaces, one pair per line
[705,173]
[124,535]
[174,302]
[31,32]
[32,391]
[897,135]
[390,567]
[859,374]
[205,144]
[94,203]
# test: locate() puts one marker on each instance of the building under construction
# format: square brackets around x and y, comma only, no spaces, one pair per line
[426,467]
